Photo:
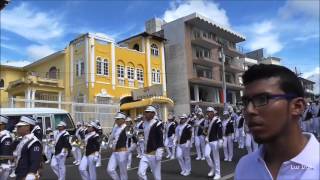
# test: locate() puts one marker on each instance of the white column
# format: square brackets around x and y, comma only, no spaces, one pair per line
[27,96]
[143,45]
[165,113]
[113,65]
[92,53]
[33,97]
[10,98]
[163,71]
[234,97]
[196,92]
[148,62]
[71,68]
[86,59]
[59,99]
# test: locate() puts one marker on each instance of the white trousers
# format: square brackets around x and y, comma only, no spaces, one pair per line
[48,151]
[316,125]
[241,138]
[183,156]
[140,147]
[129,159]
[118,159]
[155,166]
[169,146]
[76,152]
[251,145]
[200,144]
[214,148]
[58,166]
[5,171]
[99,158]
[228,147]
[88,162]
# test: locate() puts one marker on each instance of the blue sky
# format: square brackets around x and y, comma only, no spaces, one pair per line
[285,29]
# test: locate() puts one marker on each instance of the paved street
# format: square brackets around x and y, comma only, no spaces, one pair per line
[170,168]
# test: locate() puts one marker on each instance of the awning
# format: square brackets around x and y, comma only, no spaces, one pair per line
[146,102]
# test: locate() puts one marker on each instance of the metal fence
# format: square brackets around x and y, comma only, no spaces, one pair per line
[80,112]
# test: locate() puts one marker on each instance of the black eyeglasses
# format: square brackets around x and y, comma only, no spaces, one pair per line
[263,99]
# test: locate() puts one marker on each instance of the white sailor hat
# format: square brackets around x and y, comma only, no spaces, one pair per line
[120,115]
[93,124]
[170,116]
[62,123]
[49,129]
[225,112]
[200,113]
[128,119]
[183,116]
[24,120]
[79,123]
[3,119]
[211,109]
[150,109]
[140,116]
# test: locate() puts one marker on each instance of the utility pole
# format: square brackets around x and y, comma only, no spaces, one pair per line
[224,88]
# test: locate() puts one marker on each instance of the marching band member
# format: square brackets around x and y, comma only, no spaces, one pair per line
[131,140]
[170,136]
[37,131]
[227,131]
[183,139]
[239,131]
[100,133]
[199,125]
[62,148]
[118,143]
[5,148]
[48,145]
[153,133]
[28,152]
[213,142]
[91,155]
[16,140]
[251,145]
[76,143]
[139,134]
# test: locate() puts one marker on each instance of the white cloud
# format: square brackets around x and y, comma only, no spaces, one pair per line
[31,24]
[9,46]
[16,63]
[297,20]
[207,8]
[262,35]
[294,8]
[306,38]
[38,51]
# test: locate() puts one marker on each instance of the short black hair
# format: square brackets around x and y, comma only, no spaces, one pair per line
[289,81]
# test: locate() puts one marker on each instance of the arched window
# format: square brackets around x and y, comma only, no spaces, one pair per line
[136,47]
[120,73]
[154,50]
[140,76]
[99,66]
[53,73]
[1,83]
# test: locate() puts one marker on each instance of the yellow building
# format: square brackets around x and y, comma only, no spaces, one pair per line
[93,68]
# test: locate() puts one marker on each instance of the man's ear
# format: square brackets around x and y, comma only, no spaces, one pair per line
[298,106]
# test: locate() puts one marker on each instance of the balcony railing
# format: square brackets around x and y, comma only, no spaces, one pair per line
[234,64]
[36,78]
[204,38]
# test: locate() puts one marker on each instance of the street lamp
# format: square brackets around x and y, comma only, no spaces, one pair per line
[224,88]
